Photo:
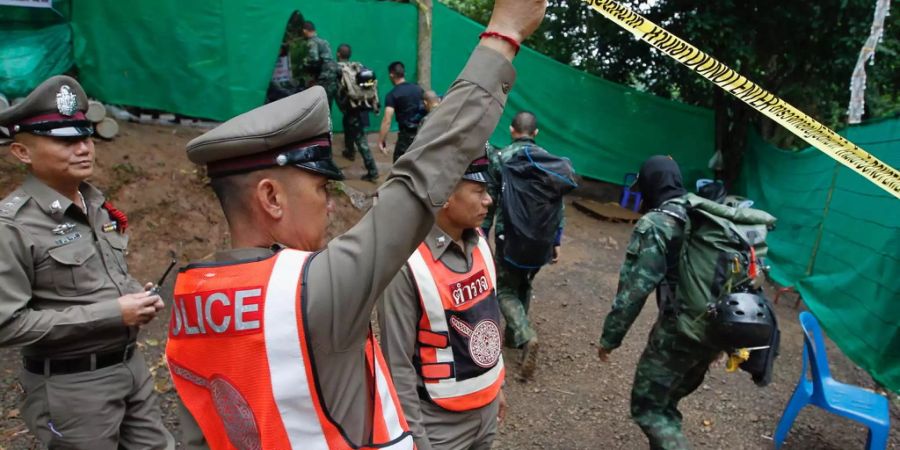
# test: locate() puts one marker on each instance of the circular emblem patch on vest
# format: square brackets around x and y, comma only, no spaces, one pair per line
[485,343]
[236,415]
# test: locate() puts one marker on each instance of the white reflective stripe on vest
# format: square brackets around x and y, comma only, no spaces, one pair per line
[389,410]
[287,367]
[452,388]
[488,259]
[406,444]
[434,308]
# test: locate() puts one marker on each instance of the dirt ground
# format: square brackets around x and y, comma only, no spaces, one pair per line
[575,402]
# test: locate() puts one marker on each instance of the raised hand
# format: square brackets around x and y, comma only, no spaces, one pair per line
[517,19]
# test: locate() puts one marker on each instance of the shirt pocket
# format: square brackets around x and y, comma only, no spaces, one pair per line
[119,244]
[76,269]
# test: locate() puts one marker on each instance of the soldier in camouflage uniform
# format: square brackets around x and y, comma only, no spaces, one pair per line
[355,122]
[312,60]
[514,284]
[672,365]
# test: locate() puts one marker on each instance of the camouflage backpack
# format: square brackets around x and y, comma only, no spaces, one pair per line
[358,86]
[720,254]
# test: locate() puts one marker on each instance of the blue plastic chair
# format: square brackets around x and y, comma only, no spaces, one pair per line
[628,194]
[822,390]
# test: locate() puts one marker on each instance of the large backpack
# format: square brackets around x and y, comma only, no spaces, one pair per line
[534,183]
[720,254]
[358,94]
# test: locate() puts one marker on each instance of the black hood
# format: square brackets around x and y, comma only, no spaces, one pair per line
[659,180]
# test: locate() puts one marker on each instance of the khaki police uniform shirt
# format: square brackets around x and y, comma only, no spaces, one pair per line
[351,273]
[61,273]
[398,315]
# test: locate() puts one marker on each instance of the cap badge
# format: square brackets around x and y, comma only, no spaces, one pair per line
[281,159]
[66,101]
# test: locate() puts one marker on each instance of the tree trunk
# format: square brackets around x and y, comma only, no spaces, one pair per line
[735,141]
[424,56]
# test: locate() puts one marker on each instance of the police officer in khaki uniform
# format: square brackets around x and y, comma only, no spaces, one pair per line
[283,200]
[67,298]
[451,244]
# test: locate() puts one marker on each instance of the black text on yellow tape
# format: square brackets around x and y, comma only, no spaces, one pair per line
[813,132]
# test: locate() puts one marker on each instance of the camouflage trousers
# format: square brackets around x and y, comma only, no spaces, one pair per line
[330,84]
[671,367]
[514,296]
[405,138]
[355,140]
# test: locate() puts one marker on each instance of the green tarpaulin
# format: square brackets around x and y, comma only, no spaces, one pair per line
[35,44]
[29,56]
[837,241]
[214,59]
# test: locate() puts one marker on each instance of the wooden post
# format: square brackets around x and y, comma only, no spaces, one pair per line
[424,54]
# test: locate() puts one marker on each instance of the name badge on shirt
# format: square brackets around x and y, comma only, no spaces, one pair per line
[67,239]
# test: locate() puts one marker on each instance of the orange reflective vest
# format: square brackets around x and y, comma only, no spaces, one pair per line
[240,359]
[459,340]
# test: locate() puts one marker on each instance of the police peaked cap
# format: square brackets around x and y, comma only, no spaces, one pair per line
[295,131]
[55,108]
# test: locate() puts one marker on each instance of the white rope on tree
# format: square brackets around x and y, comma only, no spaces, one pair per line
[867,54]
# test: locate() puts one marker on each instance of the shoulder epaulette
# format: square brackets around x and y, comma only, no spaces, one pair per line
[11,205]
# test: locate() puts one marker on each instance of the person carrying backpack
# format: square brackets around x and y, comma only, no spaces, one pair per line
[528,185]
[357,95]
[702,258]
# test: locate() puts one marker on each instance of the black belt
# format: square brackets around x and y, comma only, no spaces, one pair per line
[93,361]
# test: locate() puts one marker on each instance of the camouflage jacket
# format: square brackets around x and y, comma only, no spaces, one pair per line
[497,157]
[312,59]
[642,271]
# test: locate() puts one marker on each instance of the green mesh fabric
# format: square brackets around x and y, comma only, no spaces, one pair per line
[214,59]
[837,241]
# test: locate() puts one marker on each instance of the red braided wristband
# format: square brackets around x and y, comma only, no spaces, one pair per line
[504,37]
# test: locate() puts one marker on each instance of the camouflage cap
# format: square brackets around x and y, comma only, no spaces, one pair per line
[295,130]
[55,108]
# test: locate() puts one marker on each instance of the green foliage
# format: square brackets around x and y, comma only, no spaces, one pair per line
[477,10]
[802,51]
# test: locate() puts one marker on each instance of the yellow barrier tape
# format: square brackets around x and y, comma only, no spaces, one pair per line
[813,132]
